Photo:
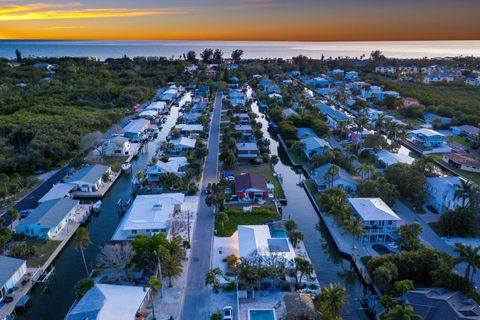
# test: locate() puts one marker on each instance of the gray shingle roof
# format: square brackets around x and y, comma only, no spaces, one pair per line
[8,267]
[49,213]
[89,306]
[89,174]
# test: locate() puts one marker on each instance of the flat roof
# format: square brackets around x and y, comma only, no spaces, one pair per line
[427,132]
[373,209]
[58,191]
[108,301]
[151,211]
[184,142]
[256,240]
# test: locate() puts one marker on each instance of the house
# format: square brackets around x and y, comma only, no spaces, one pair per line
[305,133]
[148,215]
[472,81]
[409,101]
[48,219]
[57,191]
[158,106]
[251,186]
[432,118]
[379,221]
[441,304]
[342,179]
[265,83]
[320,82]
[256,240]
[394,94]
[11,272]
[246,130]
[182,145]
[289,112]
[189,128]
[338,72]
[117,146]
[429,69]
[408,70]
[314,145]
[386,158]
[351,75]
[467,131]
[372,92]
[173,165]
[244,118]
[441,193]
[170,94]
[334,117]
[463,162]
[429,140]
[237,98]
[89,178]
[192,67]
[109,301]
[438,77]
[135,129]
[149,114]
[191,117]
[385,69]
[247,151]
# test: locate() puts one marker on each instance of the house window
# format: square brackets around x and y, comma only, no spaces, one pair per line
[155,230]
[390,223]
[134,231]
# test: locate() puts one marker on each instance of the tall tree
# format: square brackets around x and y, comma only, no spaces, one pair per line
[155,286]
[355,227]
[400,312]
[464,191]
[330,175]
[410,234]
[302,268]
[470,256]
[217,56]
[296,236]
[237,55]
[331,300]
[222,218]
[191,57]
[82,238]
[207,55]
[12,215]
[211,279]
[19,55]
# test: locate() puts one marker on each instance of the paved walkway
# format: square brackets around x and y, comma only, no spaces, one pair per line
[195,301]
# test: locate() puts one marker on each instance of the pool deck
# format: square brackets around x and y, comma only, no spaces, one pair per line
[264,300]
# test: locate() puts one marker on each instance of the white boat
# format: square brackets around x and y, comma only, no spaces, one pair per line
[96,206]
[126,166]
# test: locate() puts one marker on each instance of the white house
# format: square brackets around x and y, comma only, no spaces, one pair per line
[182,145]
[89,178]
[463,161]
[109,301]
[342,180]
[173,165]
[257,240]
[189,128]
[385,69]
[48,219]
[149,215]
[117,146]
[58,191]
[441,193]
[387,158]
[11,272]
[379,221]
[438,77]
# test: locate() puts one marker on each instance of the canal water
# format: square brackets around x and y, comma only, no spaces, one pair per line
[52,302]
[330,265]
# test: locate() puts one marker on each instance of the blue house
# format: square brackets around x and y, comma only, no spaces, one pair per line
[342,180]
[313,146]
[334,117]
[428,138]
[351,75]
[305,133]
[432,117]
[319,82]
[265,83]
[48,219]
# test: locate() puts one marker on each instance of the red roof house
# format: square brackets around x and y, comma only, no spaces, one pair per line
[251,186]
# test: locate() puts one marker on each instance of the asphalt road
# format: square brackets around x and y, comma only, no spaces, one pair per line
[30,201]
[195,303]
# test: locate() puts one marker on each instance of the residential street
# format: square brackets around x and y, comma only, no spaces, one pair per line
[195,303]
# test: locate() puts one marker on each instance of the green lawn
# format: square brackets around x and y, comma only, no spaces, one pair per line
[114,162]
[242,219]
[475,177]
[265,170]
[297,159]
[460,140]
[43,250]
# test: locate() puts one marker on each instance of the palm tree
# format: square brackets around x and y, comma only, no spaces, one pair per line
[355,227]
[211,278]
[464,191]
[12,215]
[237,55]
[400,312]
[217,56]
[297,147]
[331,300]
[82,239]
[469,255]
[302,267]
[296,236]
[330,175]
[291,225]
[366,170]
[155,285]
[206,55]
[388,302]
[222,218]
[361,123]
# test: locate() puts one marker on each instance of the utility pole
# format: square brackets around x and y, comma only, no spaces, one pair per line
[188,225]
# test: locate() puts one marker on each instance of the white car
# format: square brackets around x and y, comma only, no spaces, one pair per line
[227,313]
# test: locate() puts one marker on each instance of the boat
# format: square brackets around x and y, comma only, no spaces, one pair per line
[96,206]
[126,166]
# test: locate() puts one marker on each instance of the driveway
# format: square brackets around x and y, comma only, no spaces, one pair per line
[195,301]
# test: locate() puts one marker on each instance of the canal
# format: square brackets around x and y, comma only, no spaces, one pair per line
[330,265]
[52,302]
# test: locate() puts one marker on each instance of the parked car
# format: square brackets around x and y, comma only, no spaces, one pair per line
[227,313]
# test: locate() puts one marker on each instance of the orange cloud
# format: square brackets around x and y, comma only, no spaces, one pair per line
[36,11]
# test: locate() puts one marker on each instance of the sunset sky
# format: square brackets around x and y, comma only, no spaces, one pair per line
[299,20]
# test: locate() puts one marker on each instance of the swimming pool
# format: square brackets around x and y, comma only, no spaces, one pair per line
[279,233]
[261,314]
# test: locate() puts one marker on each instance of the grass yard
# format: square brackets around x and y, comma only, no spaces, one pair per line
[460,140]
[265,170]
[43,250]
[247,218]
[114,162]
[297,159]
[475,177]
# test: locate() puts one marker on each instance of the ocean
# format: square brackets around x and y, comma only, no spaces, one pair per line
[252,49]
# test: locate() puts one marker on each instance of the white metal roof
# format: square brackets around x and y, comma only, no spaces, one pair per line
[58,191]
[373,209]
[256,239]
[427,132]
